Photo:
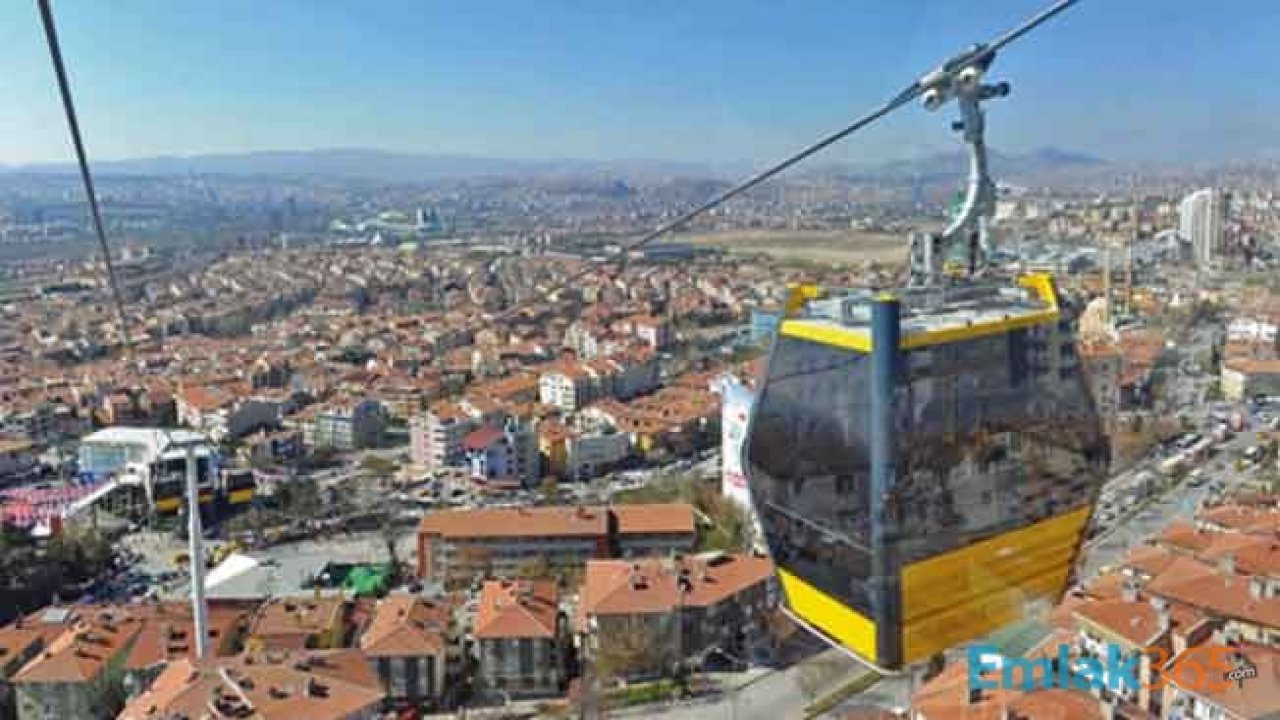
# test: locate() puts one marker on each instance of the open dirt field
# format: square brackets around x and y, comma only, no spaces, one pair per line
[833,246]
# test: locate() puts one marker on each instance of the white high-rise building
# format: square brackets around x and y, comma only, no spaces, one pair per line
[1200,219]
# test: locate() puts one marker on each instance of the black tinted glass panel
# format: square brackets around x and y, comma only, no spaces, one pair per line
[993,434]
[807,458]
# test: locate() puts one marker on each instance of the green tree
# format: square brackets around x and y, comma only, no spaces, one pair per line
[379,467]
[631,644]
[536,567]
[300,499]
[548,486]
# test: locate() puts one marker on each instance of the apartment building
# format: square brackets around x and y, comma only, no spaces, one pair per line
[948,695]
[221,414]
[714,601]
[455,546]
[507,453]
[1131,625]
[411,643]
[18,459]
[435,437]
[1101,362]
[592,453]
[353,427]
[653,530]
[298,624]
[20,642]
[568,385]
[1245,377]
[323,685]
[1257,698]
[520,637]
[76,673]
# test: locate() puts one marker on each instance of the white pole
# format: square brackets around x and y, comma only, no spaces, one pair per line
[195,541]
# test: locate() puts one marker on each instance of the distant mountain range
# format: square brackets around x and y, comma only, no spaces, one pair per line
[945,166]
[400,167]
[373,165]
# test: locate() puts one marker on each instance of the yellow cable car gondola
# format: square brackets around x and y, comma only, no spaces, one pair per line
[924,462]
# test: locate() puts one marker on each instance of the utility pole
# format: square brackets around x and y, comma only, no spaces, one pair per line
[195,549]
[589,704]
[683,585]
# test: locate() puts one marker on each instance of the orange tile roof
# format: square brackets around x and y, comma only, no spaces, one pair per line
[406,626]
[946,696]
[482,437]
[518,609]
[447,411]
[1182,535]
[553,431]
[82,652]
[1244,518]
[287,623]
[626,587]
[34,629]
[1105,587]
[204,399]
[316,685]
[1133,621]
[1147,559]
[1093,348]
[1252,366]
[516,522]
[1255,698]
[656,518]
[167,631]
[1195,583]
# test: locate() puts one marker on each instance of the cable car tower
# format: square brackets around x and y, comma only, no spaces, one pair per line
[924,462]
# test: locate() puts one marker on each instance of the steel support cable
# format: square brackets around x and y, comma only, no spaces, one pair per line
[979,54]
[901,99]
[82,159]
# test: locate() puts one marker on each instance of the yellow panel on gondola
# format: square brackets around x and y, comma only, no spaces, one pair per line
[238,497]
[169,504]
[859,338]
[829,615]
[973,591]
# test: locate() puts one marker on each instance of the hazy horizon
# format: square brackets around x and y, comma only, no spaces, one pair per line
[715,82]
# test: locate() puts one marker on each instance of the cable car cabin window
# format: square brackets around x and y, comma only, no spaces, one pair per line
[807,456]
[985,445]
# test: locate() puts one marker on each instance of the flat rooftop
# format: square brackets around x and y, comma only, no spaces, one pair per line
[928,310]
[151,437]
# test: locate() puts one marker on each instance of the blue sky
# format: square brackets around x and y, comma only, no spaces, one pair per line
[676,79]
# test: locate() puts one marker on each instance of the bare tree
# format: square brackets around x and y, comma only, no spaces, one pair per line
[630,644]
[476,559]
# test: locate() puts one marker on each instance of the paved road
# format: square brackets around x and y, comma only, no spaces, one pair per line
[777,696]
[1179,503]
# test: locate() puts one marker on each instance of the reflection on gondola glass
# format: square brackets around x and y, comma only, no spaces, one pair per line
[809,463]
[991,437]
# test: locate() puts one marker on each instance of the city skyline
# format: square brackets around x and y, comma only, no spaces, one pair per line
[705,84]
